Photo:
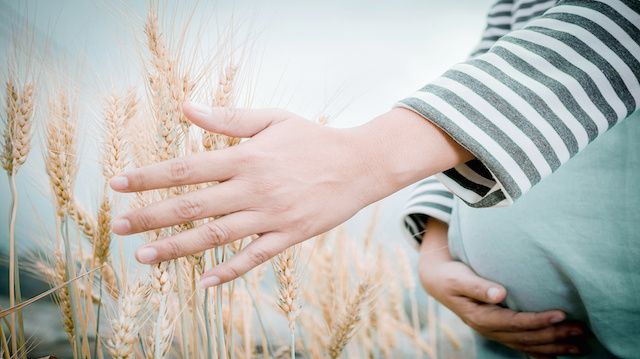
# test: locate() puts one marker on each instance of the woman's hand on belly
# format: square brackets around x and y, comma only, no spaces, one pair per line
[476,301]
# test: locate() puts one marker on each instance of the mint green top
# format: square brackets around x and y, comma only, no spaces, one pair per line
[573,243]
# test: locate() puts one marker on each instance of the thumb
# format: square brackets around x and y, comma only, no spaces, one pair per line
[483,290]
[232,122]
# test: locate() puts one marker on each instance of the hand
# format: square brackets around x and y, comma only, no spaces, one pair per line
[475,300]
[290,181]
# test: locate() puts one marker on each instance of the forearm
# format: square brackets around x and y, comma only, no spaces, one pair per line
[402,147]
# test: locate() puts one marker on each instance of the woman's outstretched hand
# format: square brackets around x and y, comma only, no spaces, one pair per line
[476,301]
[293,179]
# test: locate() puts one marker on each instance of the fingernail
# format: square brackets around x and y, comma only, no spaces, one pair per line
[556,318]
[493,293]
[119,182]
[201,109]
[575,332]
[574,350]
[209,281]
[146,255]
[120,225]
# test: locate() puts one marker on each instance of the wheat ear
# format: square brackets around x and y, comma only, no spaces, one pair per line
[117,113]
[285,267]
[345,325]
[166,91]
[61,164]
[125,325]
[17,132]
[222,97]
[16,144]
[64,297]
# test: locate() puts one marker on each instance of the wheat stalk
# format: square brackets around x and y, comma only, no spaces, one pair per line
[285,268]
[51,276]
[16,143]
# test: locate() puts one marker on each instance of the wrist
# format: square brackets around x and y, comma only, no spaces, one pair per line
[435,239]
[401,147]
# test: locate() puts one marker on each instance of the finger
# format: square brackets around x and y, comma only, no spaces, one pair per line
[549,335]
[209,235]
[475,287]
[254,254]
[232,122]
[498,319]
[227,197]
[197,168]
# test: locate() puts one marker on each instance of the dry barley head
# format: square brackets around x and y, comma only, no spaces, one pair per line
[17,133]
[345,326]
[285,267]
[126,325]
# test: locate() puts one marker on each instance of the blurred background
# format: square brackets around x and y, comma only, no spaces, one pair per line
[348,60]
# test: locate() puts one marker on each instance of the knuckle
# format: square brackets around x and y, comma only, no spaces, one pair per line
[179,170]
[188,208]
[215,234]
[174,249]
[477,290]
[472,320]
[524,339]
[520,321]
[144,220]
[257,256]
[557,333]
[234,272]
[136,179]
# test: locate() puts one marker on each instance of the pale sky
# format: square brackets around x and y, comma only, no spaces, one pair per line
[349,59]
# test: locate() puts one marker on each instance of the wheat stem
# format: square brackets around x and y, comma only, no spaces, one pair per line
[433,328]
[232,353]
[158,347]
[5,345]
[97,340]
[70,273]
[263,328]
[222,348]
[207,326]
[13,263]
[181,303]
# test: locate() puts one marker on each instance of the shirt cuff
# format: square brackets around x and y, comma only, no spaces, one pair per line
[430,199]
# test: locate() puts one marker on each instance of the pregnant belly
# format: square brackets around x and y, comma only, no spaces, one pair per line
[534,266]
[556,258]
[572,243]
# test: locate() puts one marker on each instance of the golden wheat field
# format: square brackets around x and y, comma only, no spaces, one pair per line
[344,294]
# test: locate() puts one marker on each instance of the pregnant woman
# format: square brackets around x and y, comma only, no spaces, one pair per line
[572,244]
[547,81]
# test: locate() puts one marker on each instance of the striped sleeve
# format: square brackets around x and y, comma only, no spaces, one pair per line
[498,25]
[537,97]
[430,199]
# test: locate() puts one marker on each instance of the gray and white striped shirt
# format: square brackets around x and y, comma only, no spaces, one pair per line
[547,78]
